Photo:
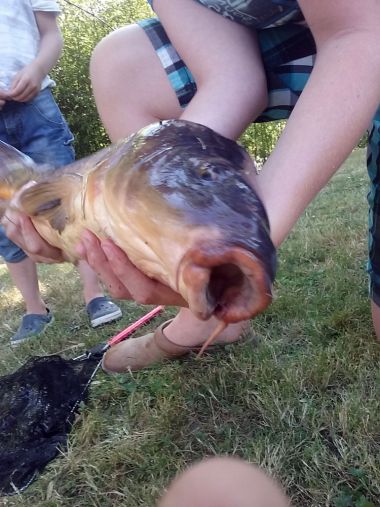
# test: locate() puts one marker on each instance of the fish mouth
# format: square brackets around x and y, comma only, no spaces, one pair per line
[229,283]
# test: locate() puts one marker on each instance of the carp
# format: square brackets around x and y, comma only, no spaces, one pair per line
[175,198]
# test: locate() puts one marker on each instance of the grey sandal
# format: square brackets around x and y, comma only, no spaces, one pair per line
[102,310]
[32,324]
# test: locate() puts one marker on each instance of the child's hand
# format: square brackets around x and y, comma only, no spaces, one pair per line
[27,83]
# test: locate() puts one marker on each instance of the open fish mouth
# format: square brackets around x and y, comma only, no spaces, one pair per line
[229,283]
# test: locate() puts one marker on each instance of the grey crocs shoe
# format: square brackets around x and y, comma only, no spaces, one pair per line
[102,310]
[32,324]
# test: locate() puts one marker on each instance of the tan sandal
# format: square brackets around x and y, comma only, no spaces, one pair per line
[135,354]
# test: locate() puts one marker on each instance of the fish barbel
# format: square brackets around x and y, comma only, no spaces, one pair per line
[174,197]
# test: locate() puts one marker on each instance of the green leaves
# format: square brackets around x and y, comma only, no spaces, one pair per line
[83,26]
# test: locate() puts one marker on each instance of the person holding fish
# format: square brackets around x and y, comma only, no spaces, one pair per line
[322,69]
[30,120]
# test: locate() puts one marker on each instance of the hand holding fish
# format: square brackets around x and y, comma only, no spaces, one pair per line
[20,229]
[122,279]
[119,275]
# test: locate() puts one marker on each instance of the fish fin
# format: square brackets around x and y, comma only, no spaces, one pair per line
[52,200]
[16,169]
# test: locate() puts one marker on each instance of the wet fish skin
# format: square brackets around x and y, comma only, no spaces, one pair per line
[174,196]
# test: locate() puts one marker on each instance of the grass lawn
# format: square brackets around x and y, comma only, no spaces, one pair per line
[300,398]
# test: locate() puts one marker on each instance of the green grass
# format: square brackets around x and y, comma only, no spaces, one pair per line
[301,398]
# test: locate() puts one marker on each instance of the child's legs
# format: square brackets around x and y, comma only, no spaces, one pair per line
[22,270]
[223,482]
[24,276]
[373,164]
[38,129]
[224,58]
[23,273]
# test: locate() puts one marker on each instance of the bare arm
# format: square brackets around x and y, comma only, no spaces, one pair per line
[225,60]
[51,41]
[333,111]
[27,82]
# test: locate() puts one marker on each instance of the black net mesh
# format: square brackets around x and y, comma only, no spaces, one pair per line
[37,407]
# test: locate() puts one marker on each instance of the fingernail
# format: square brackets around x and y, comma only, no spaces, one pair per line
[107,249]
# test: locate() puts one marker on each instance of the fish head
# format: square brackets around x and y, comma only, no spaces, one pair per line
[187,190]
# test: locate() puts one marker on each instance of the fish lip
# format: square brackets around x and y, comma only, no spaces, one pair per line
[224,281]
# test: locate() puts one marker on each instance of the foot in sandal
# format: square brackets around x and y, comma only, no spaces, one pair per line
[172,339]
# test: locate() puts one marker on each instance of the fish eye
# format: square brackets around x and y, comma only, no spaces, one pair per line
[205,173]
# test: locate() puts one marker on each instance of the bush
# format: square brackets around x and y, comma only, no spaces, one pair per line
[260,139]
[83,25]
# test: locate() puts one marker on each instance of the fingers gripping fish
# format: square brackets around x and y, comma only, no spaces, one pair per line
[174,197]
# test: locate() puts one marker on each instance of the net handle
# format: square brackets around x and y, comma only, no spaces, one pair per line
[136,325]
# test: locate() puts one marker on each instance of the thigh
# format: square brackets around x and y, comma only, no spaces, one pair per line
[288,54]
[45,135]
[129,83]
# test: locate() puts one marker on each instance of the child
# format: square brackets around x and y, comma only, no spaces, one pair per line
[31,121]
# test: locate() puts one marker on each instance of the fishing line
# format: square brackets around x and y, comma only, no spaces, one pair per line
[89,13]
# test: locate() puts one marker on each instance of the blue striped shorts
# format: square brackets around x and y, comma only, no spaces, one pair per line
[288,54]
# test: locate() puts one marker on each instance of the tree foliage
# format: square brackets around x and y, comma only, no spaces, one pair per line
[83,25]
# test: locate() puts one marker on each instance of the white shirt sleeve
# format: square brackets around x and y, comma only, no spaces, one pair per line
[45,5]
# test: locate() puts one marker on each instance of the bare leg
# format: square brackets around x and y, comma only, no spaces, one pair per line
[132,90]
[24,276]
[91,286]
[376,318]
[194,332]
[223,482]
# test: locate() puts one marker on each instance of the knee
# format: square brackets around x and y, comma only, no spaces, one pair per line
[113,55]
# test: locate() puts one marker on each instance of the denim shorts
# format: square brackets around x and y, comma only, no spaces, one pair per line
[288,54]
[38,129]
